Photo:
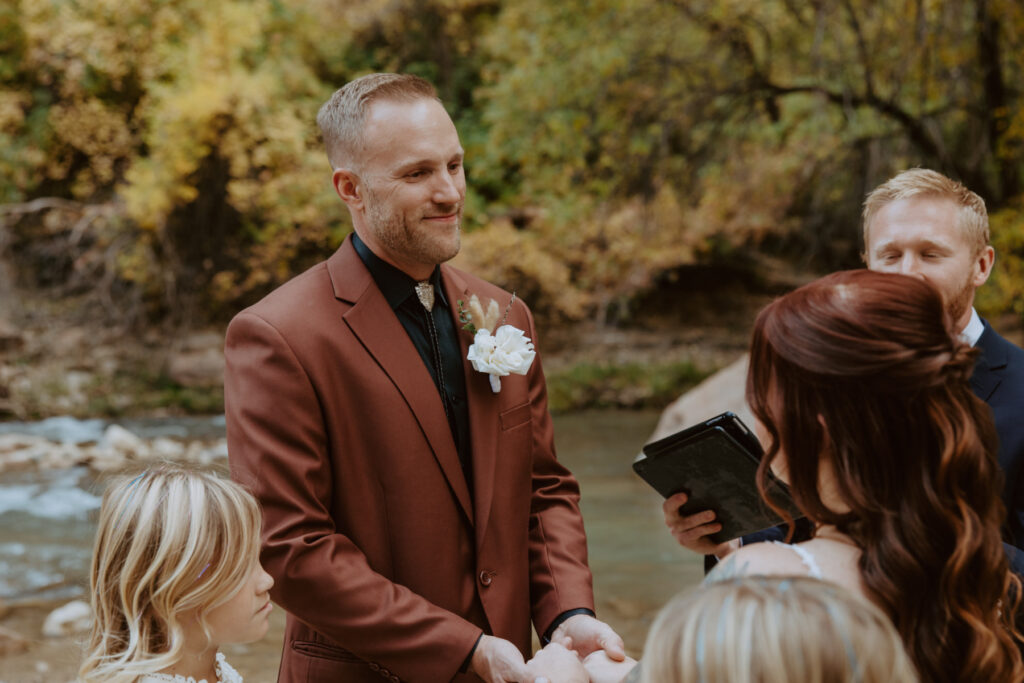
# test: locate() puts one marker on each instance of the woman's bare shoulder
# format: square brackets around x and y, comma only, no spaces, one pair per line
[759,559]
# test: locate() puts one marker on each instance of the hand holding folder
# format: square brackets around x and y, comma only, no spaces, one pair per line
[715,463]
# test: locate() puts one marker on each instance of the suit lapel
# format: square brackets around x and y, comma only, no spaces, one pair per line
[378,329]
[987,367]
[483,411]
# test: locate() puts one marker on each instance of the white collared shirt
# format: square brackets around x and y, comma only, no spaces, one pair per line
[972,333]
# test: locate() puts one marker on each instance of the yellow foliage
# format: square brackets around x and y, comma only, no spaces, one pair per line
[520,262]
[12,109]
[1004,291]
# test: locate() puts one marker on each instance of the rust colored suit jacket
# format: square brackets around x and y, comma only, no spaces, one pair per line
[389,563]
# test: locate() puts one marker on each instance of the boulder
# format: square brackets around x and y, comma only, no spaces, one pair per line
[163,448]
[61,456]
[218,450]
[104,459]
[74,617]
[201,341]
[122,441]
[19,451]
[720,392]
[197,368]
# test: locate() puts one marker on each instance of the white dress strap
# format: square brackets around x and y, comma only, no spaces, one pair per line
[813,570]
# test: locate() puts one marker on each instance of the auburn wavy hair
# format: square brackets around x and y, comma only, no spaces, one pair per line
[860,373]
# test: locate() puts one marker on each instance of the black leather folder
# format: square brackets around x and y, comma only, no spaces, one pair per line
[715,463]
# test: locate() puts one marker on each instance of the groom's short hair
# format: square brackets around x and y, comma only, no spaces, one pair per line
[972,217]
[341,117]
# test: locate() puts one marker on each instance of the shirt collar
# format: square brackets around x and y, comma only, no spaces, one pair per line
[395,285]
[972,333]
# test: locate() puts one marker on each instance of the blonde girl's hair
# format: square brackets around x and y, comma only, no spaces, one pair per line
[773,630]
[171,540]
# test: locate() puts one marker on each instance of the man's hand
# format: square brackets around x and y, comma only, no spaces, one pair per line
[556,664]
[602,669]
[691,531]
[498,661]
[586,634]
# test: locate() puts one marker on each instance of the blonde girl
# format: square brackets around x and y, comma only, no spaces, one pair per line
[175,574]
[773,630]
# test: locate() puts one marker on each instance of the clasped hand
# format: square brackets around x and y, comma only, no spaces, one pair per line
[558,664]
[582,649]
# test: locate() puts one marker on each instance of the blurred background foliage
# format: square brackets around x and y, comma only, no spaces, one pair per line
[160,159]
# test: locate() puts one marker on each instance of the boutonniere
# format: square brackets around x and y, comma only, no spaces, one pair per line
[497,349]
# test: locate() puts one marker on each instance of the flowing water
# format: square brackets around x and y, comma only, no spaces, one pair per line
[47,520]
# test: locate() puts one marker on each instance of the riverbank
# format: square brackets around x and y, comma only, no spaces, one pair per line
[56,359]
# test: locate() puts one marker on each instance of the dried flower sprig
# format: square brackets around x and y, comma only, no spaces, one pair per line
[476,318]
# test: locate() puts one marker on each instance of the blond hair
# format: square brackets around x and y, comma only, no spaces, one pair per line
[171,540]
[972,217]
[341,117]
[773,630]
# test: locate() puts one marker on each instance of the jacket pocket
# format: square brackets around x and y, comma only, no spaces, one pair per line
[513,417]
[324,651]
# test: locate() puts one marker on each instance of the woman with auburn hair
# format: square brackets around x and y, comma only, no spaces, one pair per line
[860,391]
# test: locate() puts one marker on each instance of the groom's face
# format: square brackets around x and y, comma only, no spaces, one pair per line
[413,184]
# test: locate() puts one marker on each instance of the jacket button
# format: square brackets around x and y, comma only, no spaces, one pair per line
[375,666]
[485,578]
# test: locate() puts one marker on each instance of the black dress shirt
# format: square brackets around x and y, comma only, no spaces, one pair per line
[400,292]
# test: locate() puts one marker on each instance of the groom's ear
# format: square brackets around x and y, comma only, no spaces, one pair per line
[349,187]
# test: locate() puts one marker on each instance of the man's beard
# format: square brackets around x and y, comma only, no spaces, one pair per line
[960,302]
[396,234]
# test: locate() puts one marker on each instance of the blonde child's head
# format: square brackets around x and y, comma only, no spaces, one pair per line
[773,630]
[174,543]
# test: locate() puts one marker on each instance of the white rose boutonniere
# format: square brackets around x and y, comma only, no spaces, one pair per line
[503,351]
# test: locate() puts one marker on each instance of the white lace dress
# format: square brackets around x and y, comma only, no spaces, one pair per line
[225,674]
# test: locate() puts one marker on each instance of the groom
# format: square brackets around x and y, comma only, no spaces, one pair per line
[416,521]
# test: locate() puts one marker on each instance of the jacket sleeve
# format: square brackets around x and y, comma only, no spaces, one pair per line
[278,448]
[560,578]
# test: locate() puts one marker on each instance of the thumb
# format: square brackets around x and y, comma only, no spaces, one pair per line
[564,641]
[518,671]
[614,647]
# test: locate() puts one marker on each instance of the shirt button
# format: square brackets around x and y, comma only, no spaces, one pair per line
[485,578]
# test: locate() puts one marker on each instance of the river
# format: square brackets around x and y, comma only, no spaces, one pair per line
[47,521]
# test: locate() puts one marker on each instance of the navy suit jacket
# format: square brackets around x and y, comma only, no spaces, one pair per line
[998,380]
